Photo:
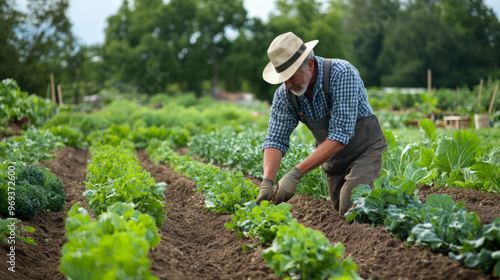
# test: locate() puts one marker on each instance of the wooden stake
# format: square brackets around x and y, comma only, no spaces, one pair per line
[458,96]
[429,80]
[492,99]
[479,95]
[53,88]
[59,94]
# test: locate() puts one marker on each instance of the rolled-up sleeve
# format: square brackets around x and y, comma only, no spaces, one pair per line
[345,87]
[282,122]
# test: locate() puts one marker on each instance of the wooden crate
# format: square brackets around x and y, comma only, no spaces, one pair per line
[457,122]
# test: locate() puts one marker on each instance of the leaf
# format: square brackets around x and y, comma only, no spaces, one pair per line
[430,129]
[457,152]
[426,157]
[413,173]
[440,201]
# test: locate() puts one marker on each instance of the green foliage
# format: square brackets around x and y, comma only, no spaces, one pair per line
[224,191]
[488,171]
[114,175]
[16,104]
[260,221]
[85,123]
[42,43]
[31,147]
[439,223]
[56,196]
[70,136]
[30,199]
[240,148]
[372,205]
[304,253]
[297,251]
[113,247]
[34,188]
[458,152]
[440,160]
[7,230]
[32,174]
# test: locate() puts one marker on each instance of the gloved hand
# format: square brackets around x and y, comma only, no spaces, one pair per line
[287,185]
[266,191]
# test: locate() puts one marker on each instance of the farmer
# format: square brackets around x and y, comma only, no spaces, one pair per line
[329,97]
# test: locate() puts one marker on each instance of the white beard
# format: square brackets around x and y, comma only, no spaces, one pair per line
[302,87]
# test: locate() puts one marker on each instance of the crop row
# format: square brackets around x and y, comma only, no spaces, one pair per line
[439,223]
[437,160]
[295,251]
[128,205]
[241,150]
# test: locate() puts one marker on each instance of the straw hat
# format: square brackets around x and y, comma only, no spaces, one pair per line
[286,52]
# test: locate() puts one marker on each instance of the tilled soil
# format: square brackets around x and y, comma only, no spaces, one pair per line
[196,245]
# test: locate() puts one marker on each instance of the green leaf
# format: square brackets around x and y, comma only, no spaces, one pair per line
[457,152]
[430,129]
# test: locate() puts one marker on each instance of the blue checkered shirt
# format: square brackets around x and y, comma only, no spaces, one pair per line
[349,102]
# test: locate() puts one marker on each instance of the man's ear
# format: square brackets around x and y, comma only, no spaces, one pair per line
[311,63]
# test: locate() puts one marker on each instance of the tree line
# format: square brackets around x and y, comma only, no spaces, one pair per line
[205,46]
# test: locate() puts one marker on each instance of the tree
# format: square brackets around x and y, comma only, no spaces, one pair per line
[245,63]
[368,21]
[457,39]
[214,21]
[415,42]
[9,20]
[478,32]
[44,45]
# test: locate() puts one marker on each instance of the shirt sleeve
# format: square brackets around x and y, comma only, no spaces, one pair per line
[345,87]
[282,122]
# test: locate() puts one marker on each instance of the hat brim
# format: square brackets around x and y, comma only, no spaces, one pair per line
[271,76]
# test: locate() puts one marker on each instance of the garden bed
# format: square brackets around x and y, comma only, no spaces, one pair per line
[196,245]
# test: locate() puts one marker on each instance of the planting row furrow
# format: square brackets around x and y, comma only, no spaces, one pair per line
[295,250]
[128,206]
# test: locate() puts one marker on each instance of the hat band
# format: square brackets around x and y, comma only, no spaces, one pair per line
[292,59]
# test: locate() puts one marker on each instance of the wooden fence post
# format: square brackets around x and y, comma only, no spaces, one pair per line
[492,99]
[479,95]
[59,93]
[53,88]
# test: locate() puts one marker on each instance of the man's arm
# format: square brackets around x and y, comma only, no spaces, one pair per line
[324,152]
[272,161]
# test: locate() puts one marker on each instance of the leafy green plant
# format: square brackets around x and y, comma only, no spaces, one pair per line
[16,104]
[31,147]
[70,136]
[6,230]
[224,190]
[241,150]
[35,189]
[113,247]
[260,222]
[304,253]
[372,205]
[439,223]
[114,175]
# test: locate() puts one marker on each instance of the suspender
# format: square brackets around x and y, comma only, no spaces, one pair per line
[326,90]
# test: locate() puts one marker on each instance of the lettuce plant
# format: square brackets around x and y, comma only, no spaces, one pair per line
[260,222]
[304,253]
[113,247]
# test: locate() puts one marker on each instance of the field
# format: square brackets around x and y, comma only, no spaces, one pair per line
[152,194]
[195,245]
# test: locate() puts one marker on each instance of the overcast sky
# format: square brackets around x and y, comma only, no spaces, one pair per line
[89,16]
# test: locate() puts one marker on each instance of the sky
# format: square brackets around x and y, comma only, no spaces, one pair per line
[89,16]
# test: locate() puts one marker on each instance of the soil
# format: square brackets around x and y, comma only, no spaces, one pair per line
[196,245]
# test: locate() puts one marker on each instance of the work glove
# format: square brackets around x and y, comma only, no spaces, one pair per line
[286,187]
[266,191]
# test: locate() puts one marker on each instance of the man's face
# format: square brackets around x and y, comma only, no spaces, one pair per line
[299,82]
